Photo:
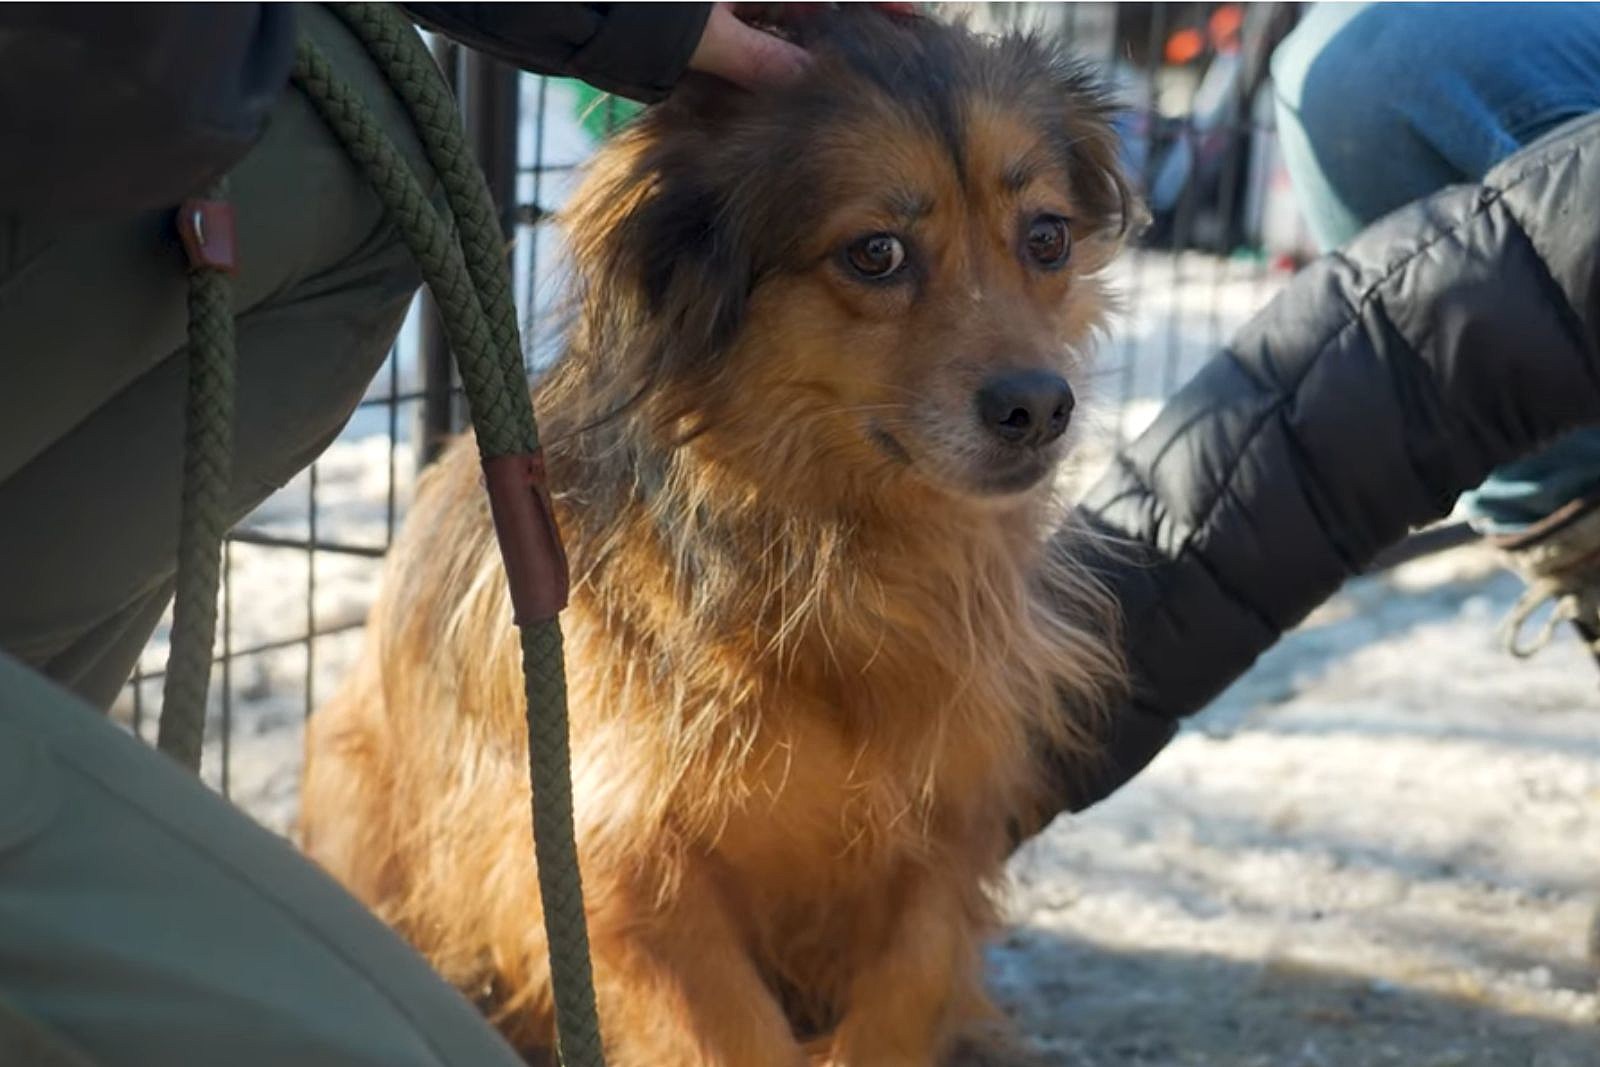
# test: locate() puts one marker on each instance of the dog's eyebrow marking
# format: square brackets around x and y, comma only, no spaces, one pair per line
[908,206]
[1028,167]
[1019,173]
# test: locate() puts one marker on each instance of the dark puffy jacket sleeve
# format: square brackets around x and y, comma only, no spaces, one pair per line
[113,108]
[1385,380]
[120,107]
[634,50]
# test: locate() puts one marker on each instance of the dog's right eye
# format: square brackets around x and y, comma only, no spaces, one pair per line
[876,256]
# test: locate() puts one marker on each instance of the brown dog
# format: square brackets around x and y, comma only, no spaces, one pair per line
[802,440]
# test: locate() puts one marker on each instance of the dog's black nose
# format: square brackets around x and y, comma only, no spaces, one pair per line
[1027,407]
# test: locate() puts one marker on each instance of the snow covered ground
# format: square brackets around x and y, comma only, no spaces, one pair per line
[1380,847]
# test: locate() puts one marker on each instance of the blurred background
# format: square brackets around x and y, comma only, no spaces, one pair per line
[1380,847]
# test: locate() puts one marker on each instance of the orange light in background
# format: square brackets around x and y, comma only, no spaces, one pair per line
[1225,24]
[1184,47]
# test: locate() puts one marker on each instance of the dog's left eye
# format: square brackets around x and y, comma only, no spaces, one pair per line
[876,256]
[1049,240]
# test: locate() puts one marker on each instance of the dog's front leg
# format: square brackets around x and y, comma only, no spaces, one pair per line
[907,1002]
[678,989]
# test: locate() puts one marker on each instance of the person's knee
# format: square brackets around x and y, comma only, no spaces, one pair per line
[1304,134]
[1349,117]
[1341,79]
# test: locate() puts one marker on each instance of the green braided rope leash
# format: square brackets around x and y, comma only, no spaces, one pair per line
[461,254]
[207,456]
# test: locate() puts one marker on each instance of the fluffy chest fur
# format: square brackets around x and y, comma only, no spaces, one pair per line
[810,719]
[847,694]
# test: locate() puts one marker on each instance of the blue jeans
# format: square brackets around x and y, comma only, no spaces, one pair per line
[1379,105]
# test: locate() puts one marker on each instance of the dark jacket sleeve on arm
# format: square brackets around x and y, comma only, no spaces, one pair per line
[119,107]
[634,50]
[1386,379]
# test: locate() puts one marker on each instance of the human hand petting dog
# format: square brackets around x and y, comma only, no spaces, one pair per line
[736,51]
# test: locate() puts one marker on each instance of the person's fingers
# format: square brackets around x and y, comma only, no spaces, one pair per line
[795,12]
[784,12]
[745,55]
[749,57]
[776,12]
[758,58]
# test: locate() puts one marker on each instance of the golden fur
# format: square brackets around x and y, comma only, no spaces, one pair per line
[812,652]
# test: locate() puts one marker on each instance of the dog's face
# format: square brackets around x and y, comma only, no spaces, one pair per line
[886,271]
[940,302]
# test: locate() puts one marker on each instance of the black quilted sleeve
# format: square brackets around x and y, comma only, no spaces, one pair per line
[1385,380]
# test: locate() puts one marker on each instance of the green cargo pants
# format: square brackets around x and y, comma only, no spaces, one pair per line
[142,919]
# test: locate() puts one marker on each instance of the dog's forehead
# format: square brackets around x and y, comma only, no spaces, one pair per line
[930,103]
[933,95]
[980,143]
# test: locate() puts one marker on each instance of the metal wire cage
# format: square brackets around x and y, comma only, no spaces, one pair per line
[301,571]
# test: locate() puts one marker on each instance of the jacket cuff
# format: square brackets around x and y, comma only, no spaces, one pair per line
[1133,738]
[641,50]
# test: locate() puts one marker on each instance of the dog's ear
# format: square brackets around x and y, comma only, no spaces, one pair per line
[663,252]
[1085,112]
[693,266]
